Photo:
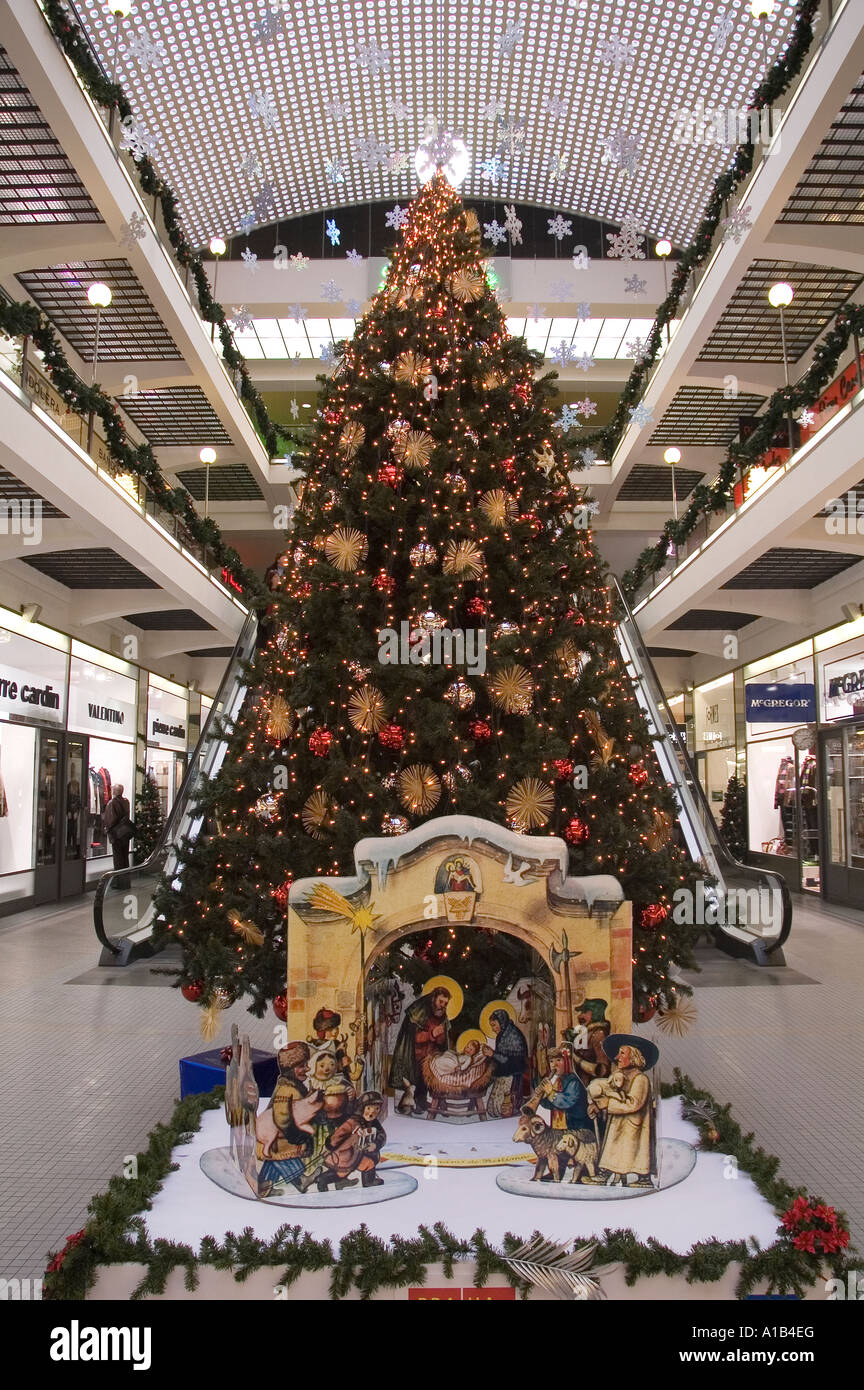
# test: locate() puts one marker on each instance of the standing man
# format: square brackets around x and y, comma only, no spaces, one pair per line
[564,1095]
[118,824]
[425,1032]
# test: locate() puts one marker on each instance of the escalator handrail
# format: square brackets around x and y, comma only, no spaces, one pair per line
[695,786]
[241,654]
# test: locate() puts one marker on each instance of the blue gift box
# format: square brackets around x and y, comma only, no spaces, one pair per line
[205,1070]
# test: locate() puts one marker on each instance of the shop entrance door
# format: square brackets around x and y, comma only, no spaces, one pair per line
[61,808]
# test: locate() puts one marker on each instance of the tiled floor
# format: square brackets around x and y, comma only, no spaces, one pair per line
[88,1070]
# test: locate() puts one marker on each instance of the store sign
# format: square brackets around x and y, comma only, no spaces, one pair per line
[780,704]
[847,684]
[101,702]
[167,719]
[32,681]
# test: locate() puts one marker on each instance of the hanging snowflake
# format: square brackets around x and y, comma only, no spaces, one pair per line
[297,312]
[269,27]
[263,108]
[589,457]
[556,167]
[563,354]
[494,232]
[264,201]
[536,312]
[622,149]
[493,169]
[618,52]
[397,109]
[251,167]
[567,420]
[247,222]
[585,362]
[332,232]
[492,110]
[562,290]
[148,53]
[397,162]
[586,407]
[352,308]
[354,257]
[370,152]
[638,349]
[505,44]
[737,224]
[633,285]
[134,230]
[583,309]
[511,137]
[641,415]
[328,353]
[334,171]
[331,292]
[298,261]
[627,244]
[336,110]
[135,138]
[512,225]
[806,417]
[721,33]
[250,260]
[559,227]
[242,320]
[396,218]
[372,58]
[553,107]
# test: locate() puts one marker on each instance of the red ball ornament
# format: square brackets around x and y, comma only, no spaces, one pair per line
[645,1010]
[508,467]
[193,991]
[320,742]
[563,768]
[480,731]
[226,1055]
[281,893]
[576,831]
[576,618]
[532,520]
[638,774]
[280,1007]
[384,582]
[652,915]
[391,474]
[476,608]
[392,736]
[332,416]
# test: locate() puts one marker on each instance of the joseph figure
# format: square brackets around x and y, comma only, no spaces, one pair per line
[425,1032]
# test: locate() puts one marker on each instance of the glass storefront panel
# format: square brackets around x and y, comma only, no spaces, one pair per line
[714,714]
[835,779]
[111,764]
[855,783]
[17,786]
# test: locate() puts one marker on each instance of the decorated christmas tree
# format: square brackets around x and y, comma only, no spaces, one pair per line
[443,640]
[148,818]
[733,818]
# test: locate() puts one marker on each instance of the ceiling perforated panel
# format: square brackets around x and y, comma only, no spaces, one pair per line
[645,483]
[175,415]
[749,329]
[230,482]
[444,60]
[12,489]
[129,328]
[701,416]
[711,620]
[99,568]
[832,189]
[792,569]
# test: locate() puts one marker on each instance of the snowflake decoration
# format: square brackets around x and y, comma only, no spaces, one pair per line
[563,354]
[250,260]
[622,149]
[586,407]
[397,162]
[627,244]
[536,312]
[134,230]
[147,52]
[589,457]
[336,110]
[353,308]
[583,309]
[633,285]
[328,353]
[135,138]
[331,292]
[724,27]
[370,152]
[494,232]
[493,169]
[242,320]
[492,110]
[332,232]
[251,167]
[567,420]
[638,349]
[396,218]
[618,52]
[806,418]
[553,107]
[247,222]
[585,362]
[298,261]
[354,257]
[397,109]
[559,227]
[372,58]
[511,137]
[505,44]
[264,201]
[562,290]
[269,27]
[737,224]
[512,225]
[297,312]
[263,108]
[641,415]
[334,171]
[556,167]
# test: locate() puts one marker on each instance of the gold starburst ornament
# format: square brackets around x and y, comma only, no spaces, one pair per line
[529,804]
[678,1019]
[351,438]
[345,548]
[467,286]
[512,690]
[419,788]
[498,507]
[280,719]
[414,449]
[463,557]
[317,811]
[251,934]
[366,709]
[411,368]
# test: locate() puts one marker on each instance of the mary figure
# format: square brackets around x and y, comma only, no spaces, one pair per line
[509,1059]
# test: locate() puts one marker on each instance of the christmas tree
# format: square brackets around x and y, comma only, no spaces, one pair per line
[733,818]
[148,818]
[438,510]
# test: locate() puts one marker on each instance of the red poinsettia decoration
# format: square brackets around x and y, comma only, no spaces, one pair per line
[814,1228]
[58,1259]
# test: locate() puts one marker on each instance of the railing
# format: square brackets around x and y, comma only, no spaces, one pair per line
[123,907]
[749,909]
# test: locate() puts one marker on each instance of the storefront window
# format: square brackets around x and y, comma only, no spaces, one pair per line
[167,733]
[714,714]
[841,680]
[103,702]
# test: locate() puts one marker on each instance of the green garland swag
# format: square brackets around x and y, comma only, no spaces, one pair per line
[705,500]
[19,320]
[777,81]
[111,95]
[115,1232]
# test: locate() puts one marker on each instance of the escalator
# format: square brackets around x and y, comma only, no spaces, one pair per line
[748,909]
[123,906]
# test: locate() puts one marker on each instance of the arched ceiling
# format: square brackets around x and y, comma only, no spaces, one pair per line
[445,61]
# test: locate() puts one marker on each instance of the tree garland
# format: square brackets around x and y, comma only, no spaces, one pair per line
[112,96]
[776,83]
[706,500]
[115,1232]
[18,320]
